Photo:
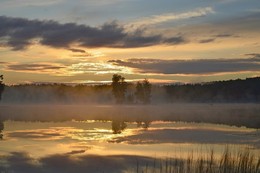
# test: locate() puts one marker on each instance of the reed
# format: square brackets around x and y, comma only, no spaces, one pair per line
[243,161]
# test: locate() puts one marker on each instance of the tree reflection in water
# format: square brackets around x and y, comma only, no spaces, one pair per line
[118,126]
[144,124]
[1,128]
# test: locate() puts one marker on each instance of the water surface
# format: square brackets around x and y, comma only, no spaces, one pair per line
[94,137]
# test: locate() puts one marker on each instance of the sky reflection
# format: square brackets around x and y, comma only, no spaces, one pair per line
[81,145]
[92,137]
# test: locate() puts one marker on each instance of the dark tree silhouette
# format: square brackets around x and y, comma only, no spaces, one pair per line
[239,91]
[232,91]
[119,87]
[1,86]
[143,91]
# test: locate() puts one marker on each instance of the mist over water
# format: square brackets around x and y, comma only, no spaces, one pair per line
[129,86]
[43,127]
[233,91]
[230,114]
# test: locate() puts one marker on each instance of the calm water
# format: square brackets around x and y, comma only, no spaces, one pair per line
[94,146]
[43,139]
[108,138]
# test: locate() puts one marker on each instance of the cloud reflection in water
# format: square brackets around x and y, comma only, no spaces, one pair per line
[83,146]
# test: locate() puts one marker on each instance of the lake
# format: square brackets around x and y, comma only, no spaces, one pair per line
[116,145]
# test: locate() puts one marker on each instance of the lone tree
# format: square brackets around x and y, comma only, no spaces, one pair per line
[119,87]
[1,86]
[143,91]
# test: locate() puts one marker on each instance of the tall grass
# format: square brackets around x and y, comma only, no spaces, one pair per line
[229,162]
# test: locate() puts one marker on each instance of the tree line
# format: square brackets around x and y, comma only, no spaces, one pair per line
[119,90]
[141,92]
[238,91]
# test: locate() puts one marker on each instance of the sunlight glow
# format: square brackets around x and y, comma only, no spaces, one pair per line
[96,68]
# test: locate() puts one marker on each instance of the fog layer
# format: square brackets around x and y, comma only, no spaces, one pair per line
[230,114]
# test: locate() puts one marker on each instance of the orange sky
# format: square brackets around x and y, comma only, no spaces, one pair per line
[203,41]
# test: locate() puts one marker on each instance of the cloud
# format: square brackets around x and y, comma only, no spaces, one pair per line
[19,162]
[189,135]
[224,35]
[35,67]
[207,40]
[72,69]
[77,50]
[37,135]
[1,62]
[66,163]
[19,33]
[76,152]
[22,3]
[83,56]
[80,53]
[200,66]
[157,19]
[216,37]
[96,68]
[243,29]
[254,55]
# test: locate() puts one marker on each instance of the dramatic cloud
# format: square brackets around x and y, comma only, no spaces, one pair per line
[201,66]
[19,33]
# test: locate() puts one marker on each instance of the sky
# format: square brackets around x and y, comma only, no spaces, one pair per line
[86,41]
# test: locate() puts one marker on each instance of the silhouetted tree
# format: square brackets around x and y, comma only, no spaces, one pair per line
[143,91]
[238,90]
[119,87]
[1,86]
